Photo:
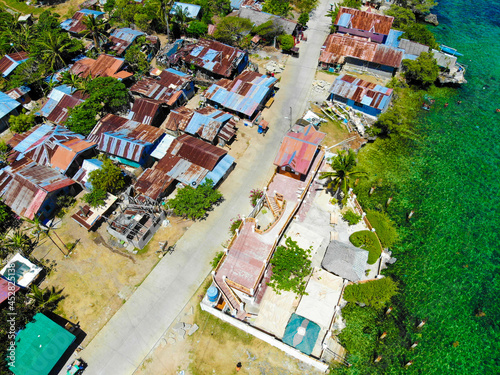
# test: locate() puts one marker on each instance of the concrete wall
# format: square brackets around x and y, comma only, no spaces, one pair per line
[321,366]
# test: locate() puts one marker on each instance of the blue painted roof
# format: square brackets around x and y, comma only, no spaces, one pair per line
[47,108]
[161,150]
[220,169]
[192,10]
[393,38]
[200,120]
[171,70]
[7,104]
[38,134]
[127,34]
[88,12]
[344,20]
[236,4]
[409,57]
[13,66]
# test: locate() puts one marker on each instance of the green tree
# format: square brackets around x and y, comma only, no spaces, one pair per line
[19,241]
[195,203]
[367,240]
[232,29]
[197,28]
[108,178]
[341,179]
[4,154]
[95,30]
[287,42]
[291,266]
[268,30]
[419,7]
[136,59]
[45,299]
[402,16]
[375,293]
[83,117]
[181,16]
[55,48]
[108,91]
[31,72]
[21,123]
[278,7]
[423,71]
[420,33]
[303,19]
[95,198]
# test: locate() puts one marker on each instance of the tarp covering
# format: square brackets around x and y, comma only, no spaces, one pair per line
[39,346]
[301,334]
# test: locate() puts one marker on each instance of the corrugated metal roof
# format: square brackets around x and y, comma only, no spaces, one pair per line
[191,10]
[412,48]
[211,55]
[244,94]
[161,150]
[258,18]
[7,105]
[18,92]
[123,38]
[75,24]
[298,149]
[393,38]
[361,91]
[145,110]
[167,88]
[220,170]
[197,151]
[104,66]
[11,61]
[444,60]
[367,21]
[339,46]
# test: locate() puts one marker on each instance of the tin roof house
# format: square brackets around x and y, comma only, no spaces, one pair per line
[189,161]
[244,96]
[345,260]
[60,100]
[171,87]
[20,94]
[127,141]
[375,27]
[75,24]
[360,54]
[208,123]
[55,147]
[148,111]
[214,59]
[104,66]
[11,61]
[8,107]
[258,18]
[31,189]
[298,151]
[360,95]
[123,38]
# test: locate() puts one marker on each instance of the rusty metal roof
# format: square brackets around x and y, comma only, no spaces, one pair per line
[24,185]
[211,55]
[145,110]
[167,87]
[9,62]
[197,151]
[53,146]
[123,38]
[61,111]
[75,24]
[244,94]
[339,46]
[367,21]
[104,66]
[361,91]
[123,137]
[298,149]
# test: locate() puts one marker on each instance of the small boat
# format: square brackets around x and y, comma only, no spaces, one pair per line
[449,50]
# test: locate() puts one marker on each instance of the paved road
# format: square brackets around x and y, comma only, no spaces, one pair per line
[125,341]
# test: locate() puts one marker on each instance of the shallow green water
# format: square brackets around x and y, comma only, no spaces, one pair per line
[450,257]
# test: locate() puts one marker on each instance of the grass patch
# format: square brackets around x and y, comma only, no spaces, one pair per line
[367,240]
[21,7]
[384,226]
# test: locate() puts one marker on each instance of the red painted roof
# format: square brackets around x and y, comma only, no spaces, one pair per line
[298,149]
[104,66]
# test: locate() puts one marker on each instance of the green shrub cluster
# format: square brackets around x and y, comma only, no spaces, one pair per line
[351,217]
[367,240]
[375,293]
[384,226]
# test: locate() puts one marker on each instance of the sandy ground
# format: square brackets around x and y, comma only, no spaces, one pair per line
[215,348]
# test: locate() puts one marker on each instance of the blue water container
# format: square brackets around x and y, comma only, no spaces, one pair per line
[212,294]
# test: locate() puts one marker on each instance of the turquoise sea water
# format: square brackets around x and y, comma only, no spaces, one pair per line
[453,244]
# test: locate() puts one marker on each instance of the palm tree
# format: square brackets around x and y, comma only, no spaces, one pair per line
[95,29]
[18,241]
[45,299]
[76,81]
[181,16]
[53,48]
[343,171]
[21,36]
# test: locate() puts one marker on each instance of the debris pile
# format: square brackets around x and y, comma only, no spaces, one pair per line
[274,67]
[320,85]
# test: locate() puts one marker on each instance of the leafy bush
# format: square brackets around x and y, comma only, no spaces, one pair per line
[303,18]
[291,266]
[375,293]
[194,203]
[351,217]
[287,42]
[384,226]
[108,178]
[217,258]
[235,224]
[197,28]
[367,240]
[95,198]
[255,195]
[423,71]
[21,123]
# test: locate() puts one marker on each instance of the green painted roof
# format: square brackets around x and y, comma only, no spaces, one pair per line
[39,346]
[293,337]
